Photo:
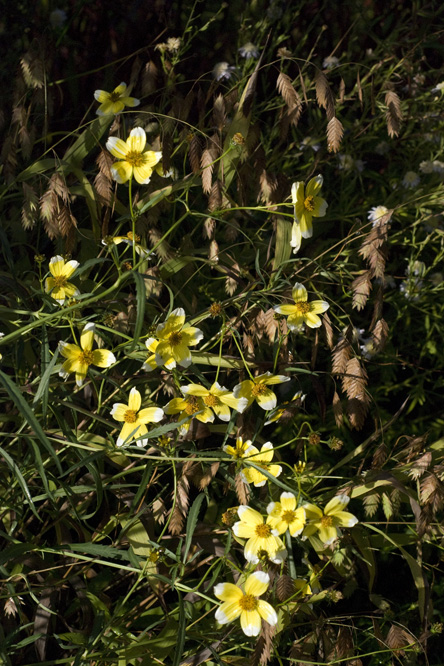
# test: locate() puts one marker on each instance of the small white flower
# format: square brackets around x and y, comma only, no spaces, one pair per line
[411,179]
[346,162]
[439,87]
[173,44]
[222,70]
[376,213]
[426,166]
[249,50]
[438,167]
[330,62]
[57,18]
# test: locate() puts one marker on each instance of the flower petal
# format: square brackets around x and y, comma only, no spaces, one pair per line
[228,592]
[103,358]
[312,320]
[312,512]
[143,174]
[101,95]
[249,515]
[121,171]
[250,623]
[337,503]
[288,502]
[228,612]
[69,350]
[257,583]
[299,293]
[128,432]
[286,309]
[150,415]
[328,534]
[267,612]
[117,147]
[267,400]
[135,400]
[118,411]
[136,140]
[345,519]
[319,306]
[87,337]
[314,186]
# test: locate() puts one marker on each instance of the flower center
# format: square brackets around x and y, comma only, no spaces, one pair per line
[327,521]
[288,516]
[175,339]
[60,281]
[192,405]
[263,531]
[309,203]
[248,602]
[258,389]
[114,96]
[130,416]
[211,400]
[303,307]
[133,237]
[135,158]
[86,357]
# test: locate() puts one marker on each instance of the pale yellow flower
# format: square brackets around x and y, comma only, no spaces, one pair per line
[262,537]
[130,239]
[114,102]
[174,337]
[326,522]
[239,450]
[134,419]
[257,389]
[307,204]
[57,285]
[217,398]
[78,359]
[302,312]
[262,459]
[284,515]
[244,602]
[190,406]
[134,160]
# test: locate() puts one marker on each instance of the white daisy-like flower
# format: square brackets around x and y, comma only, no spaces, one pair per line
[376,213]
[249,50]
[411,179]
[329,62]
[222,70]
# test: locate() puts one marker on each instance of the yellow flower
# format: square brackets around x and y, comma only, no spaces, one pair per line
[307,205]
[190,406]
[261,459]
[257,389]
[134,161]
[262,537]
[246,604]
[115,102]
[238,451]
[327,522]
[128,240]
[57,285]
[302,312]
[174,337]
[217,398]
[284,515]
[134,419]
[78,359]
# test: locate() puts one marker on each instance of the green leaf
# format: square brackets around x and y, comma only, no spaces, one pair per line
[87,141]
[282,251]
[191,524]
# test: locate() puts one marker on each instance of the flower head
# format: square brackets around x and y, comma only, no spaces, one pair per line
[57,285]
[134,419]
[133,160]
[287,409]
[244,602]
[222,70]
[172,341]
[329,62]
[302,312]
[239,450]
[114,102]
[78,359]
[308,204]
[249,50]
[326,522]
[411,179]
[257,389]
[262,459]
[284,515]
[216,398]
[262,538]
[376,215]
[190,406]
[130,240]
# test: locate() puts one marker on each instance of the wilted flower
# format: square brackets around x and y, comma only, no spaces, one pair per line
[246,604]
[114,102]
[134,161]
[376,214]
[411,179]
[134,419]
[222,70]
[257,389]
[78,359]
[130,239]
[302,312]
[284,515]
[261,536]
[57,285]
[326,522]
[249,50]
[263,460]
[329,62]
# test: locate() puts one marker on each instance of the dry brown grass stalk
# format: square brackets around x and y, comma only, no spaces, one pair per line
[361,287]
[30,206]
[335,132]
[291,98]
[264,646]
[219,114]
[324,95]
[242,489]
[195,153]
[393,114]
